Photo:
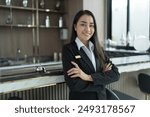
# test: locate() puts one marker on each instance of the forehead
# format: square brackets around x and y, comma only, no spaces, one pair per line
[86,19]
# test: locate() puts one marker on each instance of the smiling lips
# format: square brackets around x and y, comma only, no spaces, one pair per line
[87,34]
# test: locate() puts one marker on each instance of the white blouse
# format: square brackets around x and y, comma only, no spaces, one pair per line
[88,50]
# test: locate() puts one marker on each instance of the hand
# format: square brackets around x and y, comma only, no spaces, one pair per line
[77,72]
[107,67]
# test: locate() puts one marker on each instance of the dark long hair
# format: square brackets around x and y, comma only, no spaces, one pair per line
[94,39]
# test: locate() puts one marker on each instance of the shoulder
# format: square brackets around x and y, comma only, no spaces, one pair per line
[70,45]
[70,48]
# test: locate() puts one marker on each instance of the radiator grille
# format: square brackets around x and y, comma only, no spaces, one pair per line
[55,92]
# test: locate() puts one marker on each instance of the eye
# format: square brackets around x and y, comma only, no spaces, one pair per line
[92,25]
[83,24]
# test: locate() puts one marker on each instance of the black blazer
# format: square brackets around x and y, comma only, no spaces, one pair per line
[86,90]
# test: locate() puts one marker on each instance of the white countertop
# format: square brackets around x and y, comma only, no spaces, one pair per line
[130,64]
[119,61]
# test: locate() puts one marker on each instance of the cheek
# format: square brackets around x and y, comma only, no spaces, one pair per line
[78,33]
[78,30]
[93,31]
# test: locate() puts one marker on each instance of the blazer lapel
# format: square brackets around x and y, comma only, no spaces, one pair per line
[86,59]
[83,55]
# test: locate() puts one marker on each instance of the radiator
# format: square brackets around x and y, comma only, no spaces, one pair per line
[55,92]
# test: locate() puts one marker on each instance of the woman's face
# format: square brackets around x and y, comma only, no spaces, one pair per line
[85,28]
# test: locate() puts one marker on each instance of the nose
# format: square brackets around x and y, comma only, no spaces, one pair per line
[87,28]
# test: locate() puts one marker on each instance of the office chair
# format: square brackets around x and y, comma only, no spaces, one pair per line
[111,95]
[123,96]
[144,84]
[118,95]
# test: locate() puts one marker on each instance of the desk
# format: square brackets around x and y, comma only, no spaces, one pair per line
[30,83]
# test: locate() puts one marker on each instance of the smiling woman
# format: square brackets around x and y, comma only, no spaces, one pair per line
[87,69]
[85,28]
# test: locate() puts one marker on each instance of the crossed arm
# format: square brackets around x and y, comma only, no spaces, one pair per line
[77,72]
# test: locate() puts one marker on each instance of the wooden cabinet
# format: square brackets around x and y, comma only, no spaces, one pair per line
[23,33]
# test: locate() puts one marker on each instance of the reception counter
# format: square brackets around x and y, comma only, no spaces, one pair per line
[126,65]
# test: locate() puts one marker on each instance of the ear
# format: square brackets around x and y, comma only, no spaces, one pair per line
[75,27]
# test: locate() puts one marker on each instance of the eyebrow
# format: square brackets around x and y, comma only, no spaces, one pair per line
[86,22]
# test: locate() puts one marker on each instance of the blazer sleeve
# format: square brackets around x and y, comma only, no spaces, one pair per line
[75,84]
[107,77]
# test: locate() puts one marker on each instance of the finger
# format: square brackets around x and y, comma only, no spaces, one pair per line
[108,68]
[76,65]
[109,65]
[70,74]
[74,76]
[73,72]
[70,70]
